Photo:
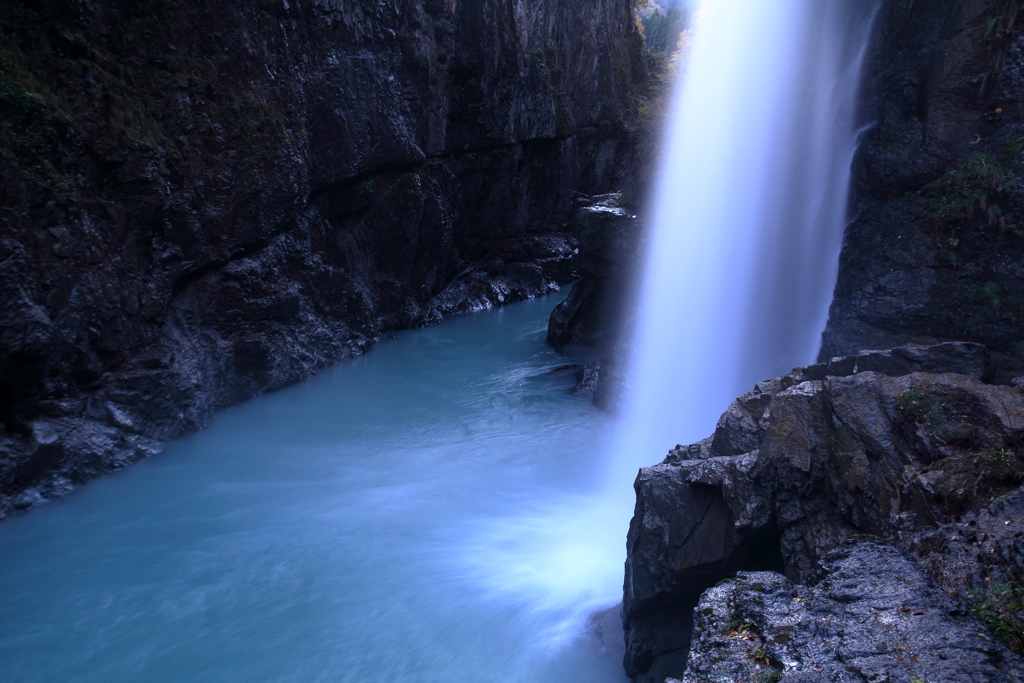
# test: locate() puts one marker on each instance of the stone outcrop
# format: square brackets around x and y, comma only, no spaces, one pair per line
[906,445]
[597,310]
[608,237]
[875,616]
[936,248]
[200,203]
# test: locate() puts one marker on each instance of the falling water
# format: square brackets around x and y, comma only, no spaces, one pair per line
[748,215]
[742,258]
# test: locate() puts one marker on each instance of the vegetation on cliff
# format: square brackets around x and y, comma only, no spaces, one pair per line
[665,35]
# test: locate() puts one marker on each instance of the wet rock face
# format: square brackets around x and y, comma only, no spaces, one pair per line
[979,553]
[199,204]
[598,308]
[608,237]
[875,615]
[867,444]
[936,247]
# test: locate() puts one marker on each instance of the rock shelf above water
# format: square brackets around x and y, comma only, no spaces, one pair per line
[903,445]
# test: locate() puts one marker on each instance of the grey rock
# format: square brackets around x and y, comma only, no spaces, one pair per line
[611,382]
[696,451]
[981,549]
[606,626]
[914,267]
[875,616]
[608,236]
[961,358]
[587,378]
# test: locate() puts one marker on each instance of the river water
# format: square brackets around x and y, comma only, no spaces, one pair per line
[402,517]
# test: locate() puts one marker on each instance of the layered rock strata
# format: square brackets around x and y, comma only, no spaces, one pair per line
[906,445]
[200,203]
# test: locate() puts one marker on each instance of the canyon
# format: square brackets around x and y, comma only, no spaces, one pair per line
[201,203]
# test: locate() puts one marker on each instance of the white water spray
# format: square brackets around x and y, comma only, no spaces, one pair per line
[748,215]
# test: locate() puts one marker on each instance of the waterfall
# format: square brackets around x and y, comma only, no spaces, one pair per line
[742,257]
[748,214]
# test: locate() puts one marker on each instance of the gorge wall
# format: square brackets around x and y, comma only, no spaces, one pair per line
[936,249]
[201,202]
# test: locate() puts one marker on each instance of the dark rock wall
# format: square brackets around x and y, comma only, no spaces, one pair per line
[936,250]
[201,201]
[608,237]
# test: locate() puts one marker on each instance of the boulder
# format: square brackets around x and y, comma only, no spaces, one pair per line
[608,236]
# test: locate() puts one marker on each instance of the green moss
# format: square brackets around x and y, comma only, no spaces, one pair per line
[943,411]
[970,464]
[973,214]
[970,196]
[1003,15]
[1001,608]
[979,308]
[442,28]
[740,625]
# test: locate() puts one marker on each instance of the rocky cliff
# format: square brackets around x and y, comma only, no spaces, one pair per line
[936,248]
[201,202]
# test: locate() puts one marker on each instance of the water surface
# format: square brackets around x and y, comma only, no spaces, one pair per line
[416,515]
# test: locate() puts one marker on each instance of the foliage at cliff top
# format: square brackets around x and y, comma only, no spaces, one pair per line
[666,38]
[663,30]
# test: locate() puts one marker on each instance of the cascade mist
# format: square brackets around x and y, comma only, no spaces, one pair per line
[747,223]
[748,213]
[746,228]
